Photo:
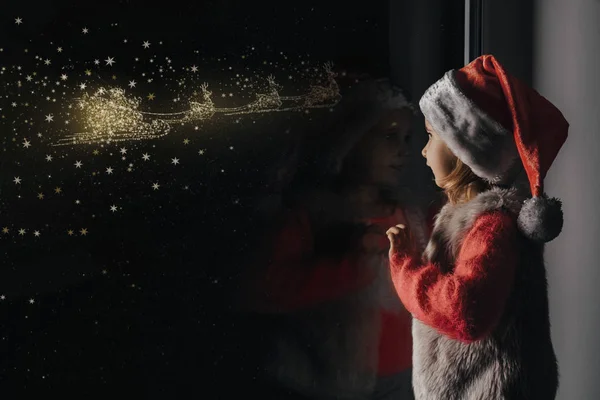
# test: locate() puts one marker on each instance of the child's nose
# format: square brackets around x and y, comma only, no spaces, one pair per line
[424,152]
[403,151]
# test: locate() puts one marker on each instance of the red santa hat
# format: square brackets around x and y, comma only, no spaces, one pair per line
[492,121]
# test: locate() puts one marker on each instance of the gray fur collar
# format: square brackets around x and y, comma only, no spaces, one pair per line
[454,220]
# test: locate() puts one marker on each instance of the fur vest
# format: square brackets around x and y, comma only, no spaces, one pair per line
[516,361]
[330,351]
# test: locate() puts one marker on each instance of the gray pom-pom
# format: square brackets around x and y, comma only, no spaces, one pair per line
[541,218]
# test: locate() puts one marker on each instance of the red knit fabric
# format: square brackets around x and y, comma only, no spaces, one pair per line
[466,304]
[296,280]
[395,346]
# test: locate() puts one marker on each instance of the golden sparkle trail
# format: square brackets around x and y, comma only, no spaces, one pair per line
[109,115]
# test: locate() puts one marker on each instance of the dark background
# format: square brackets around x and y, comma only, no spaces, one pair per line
[143,303]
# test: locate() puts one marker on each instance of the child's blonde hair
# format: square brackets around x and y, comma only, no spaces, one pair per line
[462,185]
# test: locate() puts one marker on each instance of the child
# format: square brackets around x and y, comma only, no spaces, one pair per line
[333,317]
[479,296]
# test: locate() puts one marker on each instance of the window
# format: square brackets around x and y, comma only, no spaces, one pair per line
[152,154]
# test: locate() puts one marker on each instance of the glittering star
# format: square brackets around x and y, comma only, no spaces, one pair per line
[17,180]
[21,231]
[77,201]
[31,301]
[36,233]
[70,232]
[175,161]
[145,156]
[63,77]
[5,230]
[194,68]
[82,86]
[29,78]
[78,164]
[18,21]
[88,72]
[2,297]
[83,231]
[186,141]
[40,196]
[95,152]
[48,158]
[96,62]
[123,150]
[60,49]
[146,44]
[26,144]
[57,190]
[110,61]
[132,84]
[155,186]
[201,151]
[151,96]
[109,170]
[49,118]
[85,30]
[113,208]
[47,61]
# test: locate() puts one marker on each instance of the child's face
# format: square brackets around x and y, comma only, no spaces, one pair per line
[383,153]
[439,157]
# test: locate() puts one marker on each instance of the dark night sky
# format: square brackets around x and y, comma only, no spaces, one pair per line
[140,300]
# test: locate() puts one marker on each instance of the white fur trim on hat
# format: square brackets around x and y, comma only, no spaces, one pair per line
[389,96]
[471,134]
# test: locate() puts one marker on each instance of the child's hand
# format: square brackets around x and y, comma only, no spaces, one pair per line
[400,238]
[373,240]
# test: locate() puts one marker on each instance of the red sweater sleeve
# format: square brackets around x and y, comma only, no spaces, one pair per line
[295,278]
[466,304]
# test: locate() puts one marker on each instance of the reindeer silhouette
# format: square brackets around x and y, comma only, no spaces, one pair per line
[320,94]
[269,100]
[204,109]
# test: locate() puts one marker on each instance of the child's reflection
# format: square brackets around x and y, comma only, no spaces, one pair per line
[338,329]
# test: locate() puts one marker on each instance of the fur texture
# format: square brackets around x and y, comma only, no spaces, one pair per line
[541,218]
[472,135]
[516,361]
